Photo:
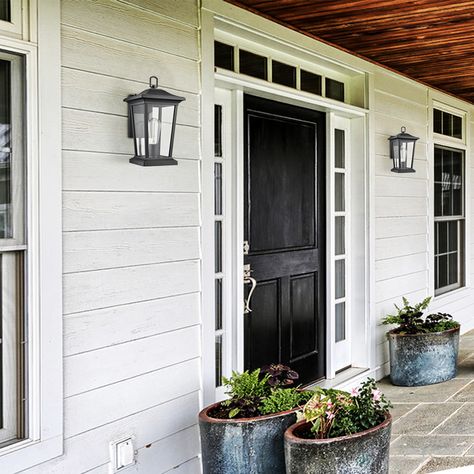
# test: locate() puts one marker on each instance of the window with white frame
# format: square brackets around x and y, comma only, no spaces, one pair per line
[12,247]
[449,218]
[449,202]
[11,17]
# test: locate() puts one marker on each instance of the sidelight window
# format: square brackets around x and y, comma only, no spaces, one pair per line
[12,247]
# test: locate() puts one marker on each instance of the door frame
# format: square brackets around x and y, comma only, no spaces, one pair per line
[236,85]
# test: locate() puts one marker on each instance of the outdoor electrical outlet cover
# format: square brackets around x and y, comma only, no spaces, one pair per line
[122,454]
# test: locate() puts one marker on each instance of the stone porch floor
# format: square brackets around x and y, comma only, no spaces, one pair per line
[434,425]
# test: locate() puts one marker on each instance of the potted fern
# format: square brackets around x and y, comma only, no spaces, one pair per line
[423,349]
[244,434]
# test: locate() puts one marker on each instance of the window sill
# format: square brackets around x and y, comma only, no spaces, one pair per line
[28,453]
[450,297]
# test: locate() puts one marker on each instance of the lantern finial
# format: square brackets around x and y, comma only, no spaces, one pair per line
[403,129]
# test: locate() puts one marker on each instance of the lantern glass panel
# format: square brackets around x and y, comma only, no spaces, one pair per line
[138,111]
[160,130]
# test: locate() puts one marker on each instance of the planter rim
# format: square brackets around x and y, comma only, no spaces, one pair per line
[203,416]
[290,436]
[391,333]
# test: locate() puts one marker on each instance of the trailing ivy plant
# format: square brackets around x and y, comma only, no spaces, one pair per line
[261,392]
[410,320]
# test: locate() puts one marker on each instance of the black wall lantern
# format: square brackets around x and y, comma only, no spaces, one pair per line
[402,151]
[152,123]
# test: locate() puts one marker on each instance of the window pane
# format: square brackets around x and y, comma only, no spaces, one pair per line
[442,271]
[447,124]
[453,236]
[446,183]
[453,268]
[218,246]
[310,82]
[457,126]
[218,130]
[442,246]
[457,183]
[218,361]
[334,89]
[437,121]
[5,150]
[438,164]
[339,192]
[12,353]
[340,321]
[218,308]
[438,198]
[223,56]
[340,243]
[340,279]
[283,74]
[253,64]
[340,151]
[218,189]
[5,13]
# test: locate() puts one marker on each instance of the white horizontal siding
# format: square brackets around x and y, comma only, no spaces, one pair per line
[98,368]
[401,204]
[114,210]
[91,330]
[95,408]
[132,324]
[92,131]
[115,57]
[90,171]
[148,426]
[105,249]
[86,291]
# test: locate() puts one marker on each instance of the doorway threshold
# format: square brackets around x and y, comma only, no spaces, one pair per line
[341,380]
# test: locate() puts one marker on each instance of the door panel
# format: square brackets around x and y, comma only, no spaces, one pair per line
[284,225]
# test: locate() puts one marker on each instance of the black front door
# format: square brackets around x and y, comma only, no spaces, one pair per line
[284,227]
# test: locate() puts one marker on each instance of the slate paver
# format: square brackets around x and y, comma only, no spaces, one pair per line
[441,463]
[424,418]
[462,422]
[440,445]
[403,464]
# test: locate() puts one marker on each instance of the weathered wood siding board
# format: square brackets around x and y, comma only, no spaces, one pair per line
[115,210]
[96,329]
[389,186]
[401,206]
[86,291]
[95,408]
[148,426]
[91,370]
[400,285]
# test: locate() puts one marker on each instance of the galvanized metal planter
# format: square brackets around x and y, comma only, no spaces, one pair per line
[366,452]
[245,445]
[423,359]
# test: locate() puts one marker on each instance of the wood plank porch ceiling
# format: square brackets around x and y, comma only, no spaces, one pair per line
[431,41]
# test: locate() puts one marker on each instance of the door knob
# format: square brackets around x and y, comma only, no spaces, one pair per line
[248,280]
